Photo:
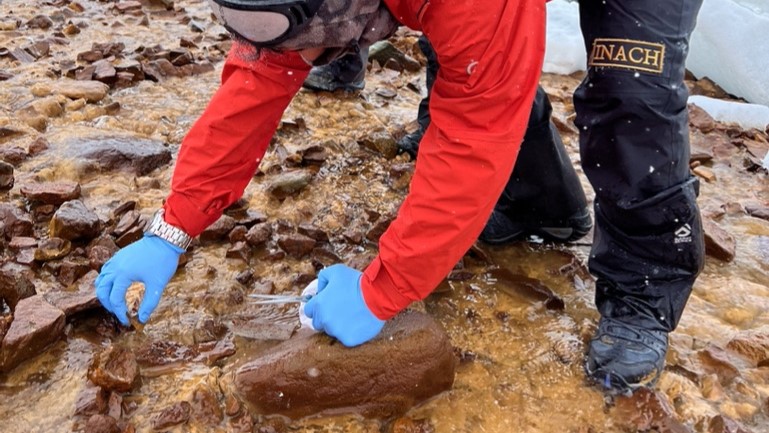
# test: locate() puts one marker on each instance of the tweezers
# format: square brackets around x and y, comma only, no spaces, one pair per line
[279,299]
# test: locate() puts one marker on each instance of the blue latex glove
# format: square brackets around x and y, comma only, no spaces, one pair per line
[339,309]
[151,261]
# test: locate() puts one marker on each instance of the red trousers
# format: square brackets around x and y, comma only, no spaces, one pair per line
[490,54]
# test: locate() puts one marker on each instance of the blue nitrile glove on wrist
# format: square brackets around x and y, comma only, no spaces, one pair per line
[339,309]
[151,261]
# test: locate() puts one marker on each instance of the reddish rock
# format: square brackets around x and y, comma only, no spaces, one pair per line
[73,302]
[114,369]
[722,424]
[38,146]
[310,374]
[13,155]
[71,269]
[715,360]
[22,242]
[40,22]
[249,217]
[259,234]
[36,324]
[718,242]
[311,231]
[400,176]
[241,251]
[74,221]
[759,212]
[101,424]
[208,329]
[132,235]
[648,410]
[174,415]
[158,353]
[14,221]
[408,425]
[378,230]
[212,351]
[128,220]
[16,283]
[296,245]
[753,345]
[54,193]
[115,405]
[205,407]
[91,400]
[219,229]
[700,119]
[237,234]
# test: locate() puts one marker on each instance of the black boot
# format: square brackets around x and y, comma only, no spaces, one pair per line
[347,73]
[410,142]
[544,196]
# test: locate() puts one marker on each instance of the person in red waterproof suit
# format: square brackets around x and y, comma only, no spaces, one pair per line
[490,55]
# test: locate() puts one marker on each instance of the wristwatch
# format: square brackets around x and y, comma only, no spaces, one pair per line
[176,236]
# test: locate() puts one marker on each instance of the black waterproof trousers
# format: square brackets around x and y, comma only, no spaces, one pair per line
[634,144]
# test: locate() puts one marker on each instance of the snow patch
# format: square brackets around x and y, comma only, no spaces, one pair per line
[565,49]
[746,115]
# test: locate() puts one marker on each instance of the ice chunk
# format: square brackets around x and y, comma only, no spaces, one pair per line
[565,50]
[746,115]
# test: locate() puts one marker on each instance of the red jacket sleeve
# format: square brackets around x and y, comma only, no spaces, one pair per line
[220,154]
[480,105]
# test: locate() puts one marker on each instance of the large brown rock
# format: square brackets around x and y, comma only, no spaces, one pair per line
[76,301]
[648,410]
[54,193]
[36,324]
[296,245]
[753,344]
[410,361]
[114,369]
[138,155]
[73,220]
[16,283]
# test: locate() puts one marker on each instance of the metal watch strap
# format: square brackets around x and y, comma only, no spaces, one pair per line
[160,228]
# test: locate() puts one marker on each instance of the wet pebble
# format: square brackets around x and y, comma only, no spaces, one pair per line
[40,22]
[296,245]
[157,353]
[176,414]
[114,369]
[16,155]
[71,269]
[91,91]
[101,424]
[219,229]
[259,234]
[16,283]
[208,329]
[91,400]
[700,119]
[288,183]
[381,142]
[240,250]
[53,249]
[74,221]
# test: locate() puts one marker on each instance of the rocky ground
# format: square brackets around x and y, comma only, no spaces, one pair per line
[95,98]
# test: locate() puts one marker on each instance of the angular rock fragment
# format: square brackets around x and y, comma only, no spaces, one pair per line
[74,221]
[176,414]
[81,299]
[14,221]
[259,234]
[205,407]
[138,155]
[752,345]
[313,375]
[91,400]
[381,142]
[36,325]
[648,410]
[114,369]
[54,193]
[16,283]
[722,424]
[219,229]
[719,243]
[92,91]
[101,424]
[296,245]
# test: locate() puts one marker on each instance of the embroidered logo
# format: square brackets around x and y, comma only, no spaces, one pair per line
[628,54]
[683,234]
